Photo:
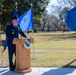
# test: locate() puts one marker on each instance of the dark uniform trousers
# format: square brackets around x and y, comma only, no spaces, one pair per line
[11,52]
[11,33]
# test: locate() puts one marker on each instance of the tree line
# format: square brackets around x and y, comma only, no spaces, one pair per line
[55,21]
[43,21]
[7,8]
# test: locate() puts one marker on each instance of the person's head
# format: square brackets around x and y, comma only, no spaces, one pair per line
[14,20]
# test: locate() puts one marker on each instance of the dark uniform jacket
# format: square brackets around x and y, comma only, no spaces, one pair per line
[13,32]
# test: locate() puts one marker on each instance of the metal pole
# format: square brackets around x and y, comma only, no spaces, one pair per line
[34,58]
[1,47]
[1,42]
[16,4]
[16,7]
[2,65]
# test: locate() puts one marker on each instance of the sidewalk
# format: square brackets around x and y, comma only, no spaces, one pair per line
[42,71]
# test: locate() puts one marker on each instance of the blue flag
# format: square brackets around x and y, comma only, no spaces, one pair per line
[26,20]
[16,13]
[6,40]
[5,43]
[71,19]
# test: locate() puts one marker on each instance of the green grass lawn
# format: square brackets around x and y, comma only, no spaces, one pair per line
[53,49]
[55,41]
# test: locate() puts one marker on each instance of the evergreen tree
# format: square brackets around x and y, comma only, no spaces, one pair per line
[23,5]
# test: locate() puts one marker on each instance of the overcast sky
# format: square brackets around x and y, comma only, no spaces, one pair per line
[52,2]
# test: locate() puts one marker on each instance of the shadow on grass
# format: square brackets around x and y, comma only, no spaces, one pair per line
[69,65]
[58,36]
[66,69]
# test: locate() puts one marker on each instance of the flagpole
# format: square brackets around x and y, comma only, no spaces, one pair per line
[34,58]
[16,7]
[16,4]
[1,42]
[1,48]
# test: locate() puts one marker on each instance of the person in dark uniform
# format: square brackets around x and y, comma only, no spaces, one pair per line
[12,33]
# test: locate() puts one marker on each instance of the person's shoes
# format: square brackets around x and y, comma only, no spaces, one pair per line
[11,69]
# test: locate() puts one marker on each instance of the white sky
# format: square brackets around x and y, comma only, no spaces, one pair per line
[52,2]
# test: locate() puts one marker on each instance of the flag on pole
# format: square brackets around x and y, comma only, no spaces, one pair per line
[16,12]
[26,20]
[5,43]
[71,19]
[6,40]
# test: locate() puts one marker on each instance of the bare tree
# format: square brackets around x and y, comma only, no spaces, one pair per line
[50,22]
[59,10]
[65,3]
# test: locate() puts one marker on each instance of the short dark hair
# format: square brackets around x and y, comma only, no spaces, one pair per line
[14,18]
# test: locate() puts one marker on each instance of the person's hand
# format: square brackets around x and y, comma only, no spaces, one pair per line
[27,41]
[15,39]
